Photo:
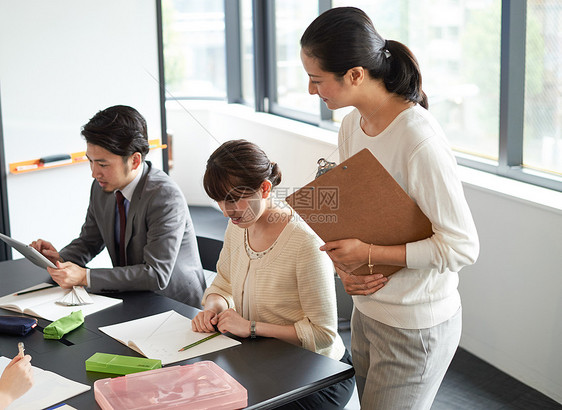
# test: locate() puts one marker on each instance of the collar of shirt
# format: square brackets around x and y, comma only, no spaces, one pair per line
[129,190]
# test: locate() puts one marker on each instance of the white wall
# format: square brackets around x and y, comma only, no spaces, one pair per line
[512,297]
[61,61]
[199,128]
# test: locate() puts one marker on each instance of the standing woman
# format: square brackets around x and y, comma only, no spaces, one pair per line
[405,330]
[272,279]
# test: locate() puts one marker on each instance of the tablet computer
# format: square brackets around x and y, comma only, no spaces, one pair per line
[30,253]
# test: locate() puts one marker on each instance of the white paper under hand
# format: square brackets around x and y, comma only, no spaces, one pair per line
[161,336]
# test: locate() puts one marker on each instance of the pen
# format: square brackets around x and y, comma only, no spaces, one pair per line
[34,290]
[21,349]
[199,342]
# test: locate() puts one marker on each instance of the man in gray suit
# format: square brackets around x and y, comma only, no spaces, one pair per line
[159,251]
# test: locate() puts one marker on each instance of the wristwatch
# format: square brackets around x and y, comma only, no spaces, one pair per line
[253,329]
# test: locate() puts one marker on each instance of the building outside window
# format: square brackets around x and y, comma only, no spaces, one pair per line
[542,138]
[458,44]
[194,48]
[247,50]
[291,19]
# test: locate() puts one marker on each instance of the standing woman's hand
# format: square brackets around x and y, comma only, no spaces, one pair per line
[350,254]
[361,284]
[347,254]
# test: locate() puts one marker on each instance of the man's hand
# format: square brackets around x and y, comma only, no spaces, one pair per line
[68,274]
[46,249]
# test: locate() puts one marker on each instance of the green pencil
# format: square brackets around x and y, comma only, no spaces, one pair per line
[198,342]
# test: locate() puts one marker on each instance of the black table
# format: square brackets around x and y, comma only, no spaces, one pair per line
[272,371]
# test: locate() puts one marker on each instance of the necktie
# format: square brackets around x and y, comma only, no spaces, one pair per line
[122,222]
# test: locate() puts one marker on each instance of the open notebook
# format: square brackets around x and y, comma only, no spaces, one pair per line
[48,389]
[161,336]
[43,303]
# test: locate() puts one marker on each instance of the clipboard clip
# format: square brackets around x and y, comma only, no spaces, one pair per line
[324,166]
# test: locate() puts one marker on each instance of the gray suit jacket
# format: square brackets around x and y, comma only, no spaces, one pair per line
[161,247]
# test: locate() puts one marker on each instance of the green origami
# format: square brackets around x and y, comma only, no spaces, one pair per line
[62,326]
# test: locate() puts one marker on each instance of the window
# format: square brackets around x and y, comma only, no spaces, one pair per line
[490,69]
[247,49]
[194,48]
[542,137]
[457,45]
[291,86]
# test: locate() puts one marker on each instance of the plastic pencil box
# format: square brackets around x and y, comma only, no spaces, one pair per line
[202,385]
[117,364]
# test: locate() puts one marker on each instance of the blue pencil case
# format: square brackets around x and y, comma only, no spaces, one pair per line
[17,325]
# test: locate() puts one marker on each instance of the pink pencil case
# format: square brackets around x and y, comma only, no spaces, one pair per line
[202,385]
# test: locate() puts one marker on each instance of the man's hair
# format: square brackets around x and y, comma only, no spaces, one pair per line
[119,129]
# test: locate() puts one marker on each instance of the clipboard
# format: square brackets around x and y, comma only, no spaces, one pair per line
[30,253]
[360,199]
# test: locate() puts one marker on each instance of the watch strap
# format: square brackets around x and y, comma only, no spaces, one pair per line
[253,329]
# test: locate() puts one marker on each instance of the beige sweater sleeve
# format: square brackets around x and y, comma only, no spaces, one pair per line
[317,330]
[222,283]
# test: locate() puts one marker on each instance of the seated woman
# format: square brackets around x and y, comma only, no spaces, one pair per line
[272,279]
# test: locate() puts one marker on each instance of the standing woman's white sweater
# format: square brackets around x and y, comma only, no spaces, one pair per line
[413,149]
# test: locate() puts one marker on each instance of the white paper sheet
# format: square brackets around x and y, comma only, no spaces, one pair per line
[48,389]
[161,336]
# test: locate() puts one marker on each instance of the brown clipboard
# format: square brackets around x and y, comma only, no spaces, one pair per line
[360,199]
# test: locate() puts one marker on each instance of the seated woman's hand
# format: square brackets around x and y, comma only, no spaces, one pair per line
[231,321]
[361,284]
[204,322]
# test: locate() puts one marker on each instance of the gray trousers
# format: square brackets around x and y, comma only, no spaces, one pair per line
[401,368]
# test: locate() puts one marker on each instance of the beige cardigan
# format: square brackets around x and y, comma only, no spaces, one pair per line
[293,284]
